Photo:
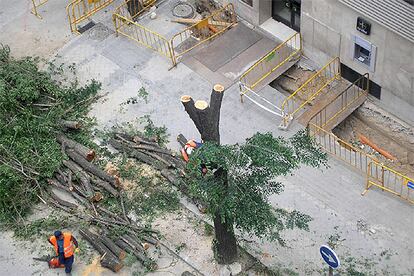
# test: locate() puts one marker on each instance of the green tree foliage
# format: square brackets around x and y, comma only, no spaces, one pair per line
[32,103]
[251,169]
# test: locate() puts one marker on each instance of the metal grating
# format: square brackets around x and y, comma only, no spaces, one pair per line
[396,15]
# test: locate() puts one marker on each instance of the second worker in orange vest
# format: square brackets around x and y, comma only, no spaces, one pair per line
[64,244]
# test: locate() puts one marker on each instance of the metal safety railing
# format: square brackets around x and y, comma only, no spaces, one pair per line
[342,102]
[377,174]
[340,148]
[268,64]
[308,91]
[36,4]
[387,179]
[207,29]
[124,21]
[79,10]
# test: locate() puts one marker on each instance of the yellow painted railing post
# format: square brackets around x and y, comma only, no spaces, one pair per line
[36,4]
[187,32]
[260,70]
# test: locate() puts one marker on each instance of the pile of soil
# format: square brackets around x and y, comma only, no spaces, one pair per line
[387,132]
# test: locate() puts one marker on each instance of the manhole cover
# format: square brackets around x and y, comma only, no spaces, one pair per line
[183,10]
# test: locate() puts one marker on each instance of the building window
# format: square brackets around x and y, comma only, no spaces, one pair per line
[248,2]
[364,52]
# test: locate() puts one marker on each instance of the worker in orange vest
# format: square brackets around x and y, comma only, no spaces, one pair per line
[188,149]
[64,244]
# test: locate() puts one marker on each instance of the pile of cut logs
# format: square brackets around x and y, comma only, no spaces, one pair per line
[170,166]
[80,180]
[149,152]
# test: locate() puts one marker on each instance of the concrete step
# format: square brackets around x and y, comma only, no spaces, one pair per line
[241,63]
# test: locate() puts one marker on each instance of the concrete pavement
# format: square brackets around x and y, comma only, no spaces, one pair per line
[375,230]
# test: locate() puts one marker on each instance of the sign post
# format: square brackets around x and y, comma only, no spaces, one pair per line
[329,256]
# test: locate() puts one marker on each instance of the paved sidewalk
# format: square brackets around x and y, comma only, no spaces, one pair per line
[375,230]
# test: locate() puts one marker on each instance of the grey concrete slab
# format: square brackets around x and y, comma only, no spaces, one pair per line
[162,23]
[226,47]
[28,35]
[240,64]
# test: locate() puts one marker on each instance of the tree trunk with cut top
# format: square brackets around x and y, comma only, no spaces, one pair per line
[206,119]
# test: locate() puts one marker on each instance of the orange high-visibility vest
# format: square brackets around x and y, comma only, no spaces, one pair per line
[188,148]
[68,246]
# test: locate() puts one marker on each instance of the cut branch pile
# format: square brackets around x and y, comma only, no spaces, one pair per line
[150,153]
[170,166]
[78,187]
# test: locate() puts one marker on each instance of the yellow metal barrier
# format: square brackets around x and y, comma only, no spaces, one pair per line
[389,180]
[270,63]
[342,102]
[124,17]
[340,148]
[36,4]
[212,26]
[79,10]
[310,90]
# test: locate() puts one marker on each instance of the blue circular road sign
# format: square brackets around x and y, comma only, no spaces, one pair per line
[329,256]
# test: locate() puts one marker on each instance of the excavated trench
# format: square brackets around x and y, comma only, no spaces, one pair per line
[389,134]
[382,129]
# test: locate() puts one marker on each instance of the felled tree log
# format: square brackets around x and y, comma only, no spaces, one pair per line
[62,201]
[65,179]
[142,153]
[116,250]
[132,242]
[105,185]
[109,213]
[136,154]
[91,168]
[70,124]
[152,148]
[88,154]
[182,140]
[108,260]
[58,184]
[140,140]
[81,174]
[130,249]
[150,240]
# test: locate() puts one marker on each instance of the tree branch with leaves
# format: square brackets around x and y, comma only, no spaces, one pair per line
[241,177]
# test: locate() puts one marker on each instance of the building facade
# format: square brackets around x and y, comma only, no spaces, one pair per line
[374,36]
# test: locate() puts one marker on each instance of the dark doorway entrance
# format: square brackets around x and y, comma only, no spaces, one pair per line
[287,12]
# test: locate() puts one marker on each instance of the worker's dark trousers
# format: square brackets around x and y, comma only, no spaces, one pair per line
[67,262]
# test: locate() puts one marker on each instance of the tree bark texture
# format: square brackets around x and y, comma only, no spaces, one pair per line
[108,260]
[88,154]
[82,175]
[116,250]
[207,119]
[70,124]
[91,168]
